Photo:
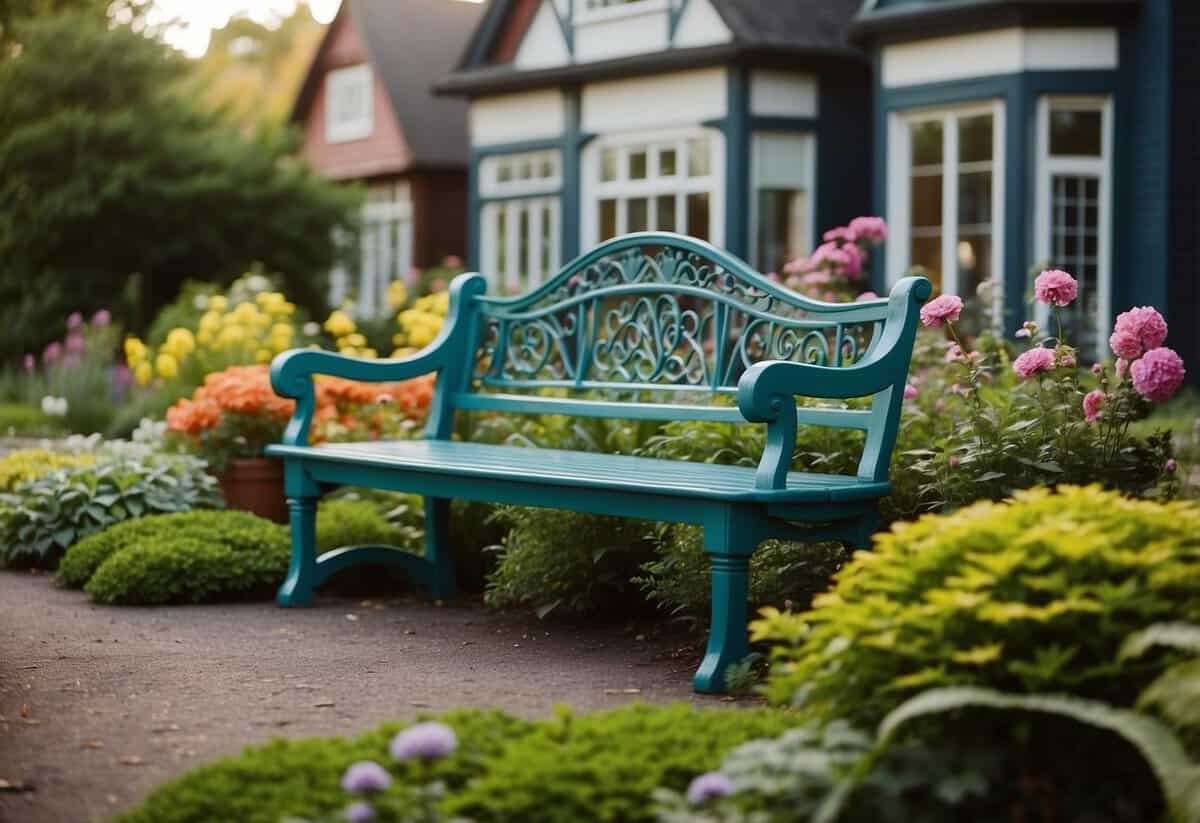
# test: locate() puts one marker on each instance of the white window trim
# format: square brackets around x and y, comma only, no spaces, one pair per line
[755,184]
[344,132]
[491,187]
[1101,167]
[594,190]
[585,15]
[377,271]
[899,184]
[519,274]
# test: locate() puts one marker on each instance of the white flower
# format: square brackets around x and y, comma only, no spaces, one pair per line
[312,328]
[201,302]
[256,282]
[54,406]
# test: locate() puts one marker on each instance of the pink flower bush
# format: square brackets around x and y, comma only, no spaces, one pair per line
[1034,362]
[1136,331]
[1158,374]
[867,295]
[840,259]
[870,229]
[1093,404]
[1055,287]
[942,309]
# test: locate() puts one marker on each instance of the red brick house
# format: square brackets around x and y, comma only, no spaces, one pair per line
[368,116]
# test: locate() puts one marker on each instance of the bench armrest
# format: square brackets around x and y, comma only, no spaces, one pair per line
[767,391]
[292,371]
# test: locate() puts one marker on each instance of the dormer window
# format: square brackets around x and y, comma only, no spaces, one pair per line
[590,10]
[348,104]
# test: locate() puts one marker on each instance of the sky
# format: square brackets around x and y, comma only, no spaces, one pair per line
[196,18]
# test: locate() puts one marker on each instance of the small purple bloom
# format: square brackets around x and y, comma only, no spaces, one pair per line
[708,786]
[425,741]
[365,777]
[1170,466]
[101,318]
[75,343]
[910,391]
[74,320]
[359,813]
[30,363]
[1097,369]
[954,461]
[51,353]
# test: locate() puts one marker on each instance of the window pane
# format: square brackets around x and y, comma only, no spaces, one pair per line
[666,162]
[637,165]
[498,266]
[926,252]
[927,143]
[975,139]
[545,167]
[608,219]
[697,215]
[608,164]
[926,200]
[503,171]
[782,226]
[545,236]
[665,217]
[1075,132]
[1074,246]
[974,254]
[523,243]
[636,216]
[975,198]
[699,157]
[523,168]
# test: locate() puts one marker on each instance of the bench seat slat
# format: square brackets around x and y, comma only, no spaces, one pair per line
[585,469]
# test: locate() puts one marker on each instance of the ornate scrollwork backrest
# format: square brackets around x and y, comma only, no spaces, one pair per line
[660,311]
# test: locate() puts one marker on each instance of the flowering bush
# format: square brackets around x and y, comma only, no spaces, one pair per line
[236,413]
[837,269]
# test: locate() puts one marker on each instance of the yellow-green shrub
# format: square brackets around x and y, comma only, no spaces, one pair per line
[29,464]
[1032,595]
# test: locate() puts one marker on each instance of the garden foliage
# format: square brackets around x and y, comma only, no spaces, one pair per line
[24,465]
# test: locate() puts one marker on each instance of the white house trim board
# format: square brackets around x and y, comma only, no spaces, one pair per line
[1000,51]
[511,118]
[622,30]
[700,25]
[783,94]
[543,45]
[676,99]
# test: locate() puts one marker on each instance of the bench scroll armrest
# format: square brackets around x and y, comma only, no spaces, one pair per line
[767,391]
[292,371]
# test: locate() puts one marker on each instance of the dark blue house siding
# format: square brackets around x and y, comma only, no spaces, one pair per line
[1184,210]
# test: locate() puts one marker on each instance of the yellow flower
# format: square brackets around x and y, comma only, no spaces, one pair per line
[218,303]
[368,354]
[210,322]
[230,336]
[166,365]
[397,294]
[143,372]
[355,340]
[180,343]
[339,324]
[135,352]
[264,356]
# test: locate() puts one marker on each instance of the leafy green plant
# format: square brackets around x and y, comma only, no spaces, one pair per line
[26,420]
[24,465]
[41,519]
[1024,597]
[365,522]
[601,767]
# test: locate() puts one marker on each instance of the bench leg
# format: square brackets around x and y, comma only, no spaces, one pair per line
[437,548]
[297,588]
[727,635]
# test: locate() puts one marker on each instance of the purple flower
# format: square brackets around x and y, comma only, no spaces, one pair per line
[359,813]
[74,320]
[910,391]
[1170,466]
[75,343]
[30,363]
[954,461]
[51,353]
[101,318]
[424,741]
[365,777]
[708,786]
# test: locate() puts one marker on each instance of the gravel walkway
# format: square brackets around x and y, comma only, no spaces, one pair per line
[100,704]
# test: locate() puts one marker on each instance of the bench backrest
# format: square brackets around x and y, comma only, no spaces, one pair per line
[652,326]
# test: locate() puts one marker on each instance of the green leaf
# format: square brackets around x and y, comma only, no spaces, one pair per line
[1182,636]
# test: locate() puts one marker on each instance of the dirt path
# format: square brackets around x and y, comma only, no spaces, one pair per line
[100,704]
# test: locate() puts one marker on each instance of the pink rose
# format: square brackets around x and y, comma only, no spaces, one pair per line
[954,354]
[870,229]
[1034,362]
[1158,375]
[1093,402]
[942,309]
[1055,287]
[1141,328]
[1022,333]
[74,320]
[1068,361]
[867,295]
[1121,367]
[30,363]
[853,257]
[101,318]
[844,233]
[1097,369]
[910,391]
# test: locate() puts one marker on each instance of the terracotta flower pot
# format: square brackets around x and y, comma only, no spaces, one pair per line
[255,484]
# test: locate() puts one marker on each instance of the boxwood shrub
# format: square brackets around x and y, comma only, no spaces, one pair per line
[1034,595]
[600,767]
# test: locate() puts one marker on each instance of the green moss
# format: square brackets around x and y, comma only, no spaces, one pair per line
[598,767]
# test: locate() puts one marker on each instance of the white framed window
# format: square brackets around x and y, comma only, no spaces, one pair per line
[520,226]
[349,104]
[946,196]
[592,10]
[385,252]
[1073,211]
[781,206]
[664,181]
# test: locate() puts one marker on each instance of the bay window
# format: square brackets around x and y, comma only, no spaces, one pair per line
[781,213]
[520,218]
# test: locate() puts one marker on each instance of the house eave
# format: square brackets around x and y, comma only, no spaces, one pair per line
[919,21]
[505,78]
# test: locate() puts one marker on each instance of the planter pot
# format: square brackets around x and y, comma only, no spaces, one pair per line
[255,484]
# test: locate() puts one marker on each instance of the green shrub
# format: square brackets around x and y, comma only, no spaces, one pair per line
[23,420]
[24,465]
[179,558]
[41,519]
[357,522]
[600,767]
[567,562]
[1035,595]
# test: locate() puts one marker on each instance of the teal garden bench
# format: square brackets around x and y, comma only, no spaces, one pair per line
[649,326]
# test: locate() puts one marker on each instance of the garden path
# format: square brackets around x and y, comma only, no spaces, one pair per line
[100,704]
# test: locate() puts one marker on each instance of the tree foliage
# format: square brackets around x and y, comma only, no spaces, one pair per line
[116,184]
